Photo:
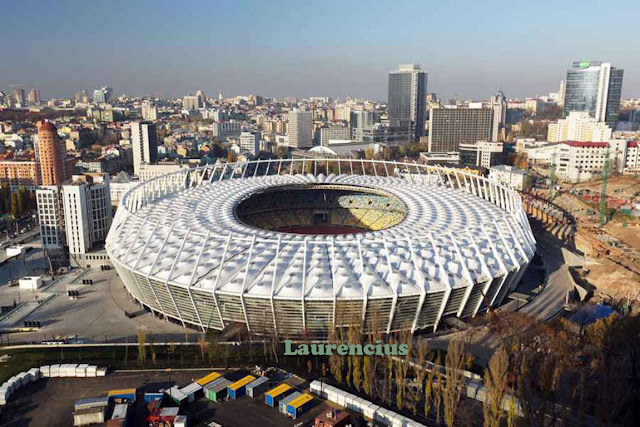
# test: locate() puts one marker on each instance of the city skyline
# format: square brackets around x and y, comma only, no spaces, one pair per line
[280,50]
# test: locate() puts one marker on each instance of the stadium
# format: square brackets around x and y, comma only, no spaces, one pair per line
[297,247]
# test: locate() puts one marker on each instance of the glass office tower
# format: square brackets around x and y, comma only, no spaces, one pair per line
[407,99]
[596,88]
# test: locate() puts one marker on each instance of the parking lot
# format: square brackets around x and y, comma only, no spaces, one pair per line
[97,315]
[49,402]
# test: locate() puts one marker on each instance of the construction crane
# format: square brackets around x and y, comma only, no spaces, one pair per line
[603,191]
[552,178]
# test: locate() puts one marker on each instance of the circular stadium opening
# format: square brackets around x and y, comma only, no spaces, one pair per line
[321,209]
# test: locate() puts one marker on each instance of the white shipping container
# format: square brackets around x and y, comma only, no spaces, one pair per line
[81,370]
[88,416]
[71,370]
[45,370]
[92,371]
[54,371]
[35,374]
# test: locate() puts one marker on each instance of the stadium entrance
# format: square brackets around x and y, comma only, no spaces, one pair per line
[326,209]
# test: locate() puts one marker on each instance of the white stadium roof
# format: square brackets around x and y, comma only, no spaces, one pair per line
[454,234]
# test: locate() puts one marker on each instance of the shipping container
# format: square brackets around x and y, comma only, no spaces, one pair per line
[168,415]
[332,418]
[45,369]
[282,405]
[68,370]
[85,417]
[92,371]
[257,386]
[54,371]
[217,390]
[176,395]
[191,391]
[119,416]
[180,421]
[300,405]
[208,378]
[96,402]
[81,370]
[120,396]
[239,388]
[149,397]
[35,374]
[273,396]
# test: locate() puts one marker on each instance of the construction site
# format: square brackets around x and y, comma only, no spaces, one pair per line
[606,213]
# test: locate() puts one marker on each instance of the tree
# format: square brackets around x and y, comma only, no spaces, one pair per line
[355,360]
[419,372]
[368,374]
[15,209]
[496,381]
[282,152]
[402,367]
[455,363]
[142,348]
[429,388]
[438,391]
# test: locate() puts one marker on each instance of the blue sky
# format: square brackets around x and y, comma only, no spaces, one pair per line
[304,48]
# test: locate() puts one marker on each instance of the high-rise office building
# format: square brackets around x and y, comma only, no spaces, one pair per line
[498,104]
[76,214]
[406,105]
[594,87]
[18,95]
[144,142]
[87,211]
[51,155]
[451,126]
[102,95]
[362,119]
[300,129]
[149,110]
[34,97]
[191,102]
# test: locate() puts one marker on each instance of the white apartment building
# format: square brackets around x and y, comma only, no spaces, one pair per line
[300,129]
[224,130]
[149,110]
[582,161]
[144,143]
[250,141]
[508,175]
[76,215]
[339,133]
[579,126]
[50,212]
[632,158]
[87,211]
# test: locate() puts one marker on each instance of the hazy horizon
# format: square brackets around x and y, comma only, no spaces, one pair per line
[290,49]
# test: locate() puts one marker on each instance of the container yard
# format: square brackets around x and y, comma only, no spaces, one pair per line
[163,398]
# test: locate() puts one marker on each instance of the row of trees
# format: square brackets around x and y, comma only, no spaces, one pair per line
[16,203]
